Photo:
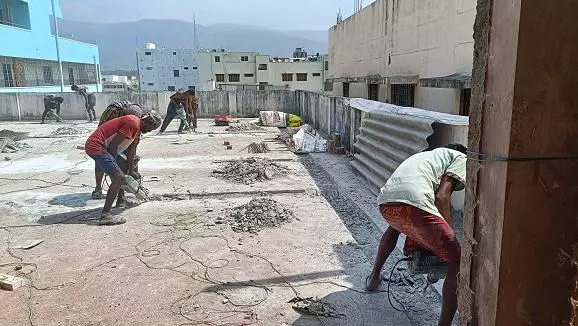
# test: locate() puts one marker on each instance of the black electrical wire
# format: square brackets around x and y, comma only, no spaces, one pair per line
[482,157]
[389,285]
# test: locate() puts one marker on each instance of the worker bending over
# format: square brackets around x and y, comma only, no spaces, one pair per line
[104,145]
[180,106]
[89,100]
[113,111]
[416,201]
[52,107]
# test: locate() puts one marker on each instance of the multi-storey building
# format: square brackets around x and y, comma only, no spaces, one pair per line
[163,69]
[30,53]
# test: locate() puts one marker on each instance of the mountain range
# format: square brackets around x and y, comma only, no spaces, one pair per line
[117,42]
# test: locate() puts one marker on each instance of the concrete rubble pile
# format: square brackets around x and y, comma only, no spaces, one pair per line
[250,170]
[258,148]
[258,214]
[10,141]
[245,126]
[69,130]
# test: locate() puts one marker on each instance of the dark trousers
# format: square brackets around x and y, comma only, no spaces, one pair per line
[51,112]
[168,119]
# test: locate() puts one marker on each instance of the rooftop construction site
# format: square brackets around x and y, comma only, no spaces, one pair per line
[422,172]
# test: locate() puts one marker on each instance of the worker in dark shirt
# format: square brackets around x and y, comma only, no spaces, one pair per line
[89,100]
[52,107]
[178,108]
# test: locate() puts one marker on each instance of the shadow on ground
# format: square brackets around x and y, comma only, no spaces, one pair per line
[71,200]
[86,216]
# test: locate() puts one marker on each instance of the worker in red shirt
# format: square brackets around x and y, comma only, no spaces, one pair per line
[104,145]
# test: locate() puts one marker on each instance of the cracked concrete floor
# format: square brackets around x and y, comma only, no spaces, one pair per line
[170,264]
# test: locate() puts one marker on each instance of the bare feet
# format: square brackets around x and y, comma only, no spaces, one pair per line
[372,283]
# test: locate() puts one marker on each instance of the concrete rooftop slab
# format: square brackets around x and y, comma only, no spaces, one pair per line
[171,264]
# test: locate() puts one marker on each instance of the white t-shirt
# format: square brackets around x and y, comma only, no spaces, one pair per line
[417,179]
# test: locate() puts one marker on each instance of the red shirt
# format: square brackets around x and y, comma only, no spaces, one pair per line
[128,125]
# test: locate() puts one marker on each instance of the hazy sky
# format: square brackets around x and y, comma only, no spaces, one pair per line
[277,14]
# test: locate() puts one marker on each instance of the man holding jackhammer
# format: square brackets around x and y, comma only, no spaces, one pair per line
[129,158]
[416,201]
[180,106]
[104,146]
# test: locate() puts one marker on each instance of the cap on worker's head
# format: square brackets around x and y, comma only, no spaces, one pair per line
[156,118]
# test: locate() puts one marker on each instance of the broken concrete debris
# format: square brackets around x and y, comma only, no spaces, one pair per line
[245,126]
[258,148]
[250,170]
[258,214]
[10,283]
[8,145]
[14,135]
[315,307]
[69,130]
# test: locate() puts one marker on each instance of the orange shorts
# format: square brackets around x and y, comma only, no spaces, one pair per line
[423,231]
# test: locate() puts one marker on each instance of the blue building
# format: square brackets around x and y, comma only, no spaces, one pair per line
[28,51]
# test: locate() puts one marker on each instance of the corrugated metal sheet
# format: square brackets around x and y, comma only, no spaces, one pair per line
[390,134]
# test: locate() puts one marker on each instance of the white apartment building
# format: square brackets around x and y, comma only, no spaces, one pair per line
[409,53]
[163,69]
[115,83]
[220,69]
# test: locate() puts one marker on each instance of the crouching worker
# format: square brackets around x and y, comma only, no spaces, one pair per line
[104,147]
[113,111]
[52,107]
[416,201]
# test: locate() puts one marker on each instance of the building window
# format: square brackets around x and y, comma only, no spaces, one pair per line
[8,76]
[171,88]
[192,88]
[326,65]
[245,58]
[373,92]
[71,76]
[234,78]
[174,53]
[176,73]
[345,89]
[465,97]
[220,78]
[263,66]
[316,74]
[186,68]
[403,94]
[287,77]
[149,68]
[328,86]
[148,53]
[263,85]
[301,77]
[47,75]
[15,13]
[249,75]
[151,84]
[195,68]
[217,59]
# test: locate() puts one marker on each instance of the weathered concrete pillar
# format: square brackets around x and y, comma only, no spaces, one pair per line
[519,261]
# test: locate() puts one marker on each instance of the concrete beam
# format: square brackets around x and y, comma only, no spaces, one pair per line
[519,260]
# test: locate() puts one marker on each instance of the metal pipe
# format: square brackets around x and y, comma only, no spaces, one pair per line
[56,37]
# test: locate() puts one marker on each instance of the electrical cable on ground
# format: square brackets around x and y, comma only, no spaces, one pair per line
[180,228]
[389,286]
